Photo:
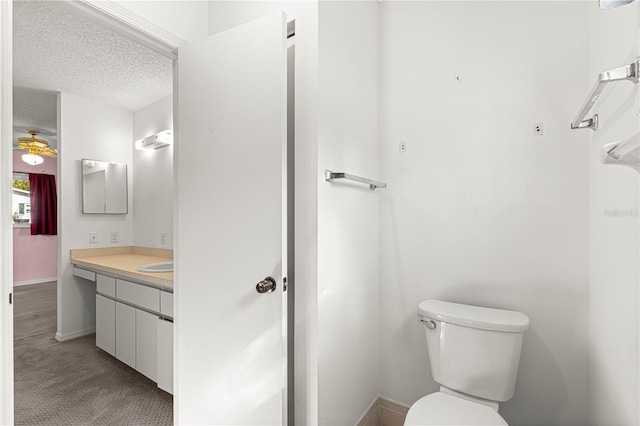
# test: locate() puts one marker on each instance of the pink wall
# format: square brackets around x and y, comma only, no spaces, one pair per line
[35,257]
[49,166]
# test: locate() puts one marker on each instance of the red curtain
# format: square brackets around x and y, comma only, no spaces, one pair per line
[44,204]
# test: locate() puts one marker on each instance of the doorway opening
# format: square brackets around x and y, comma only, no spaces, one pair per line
[107,91]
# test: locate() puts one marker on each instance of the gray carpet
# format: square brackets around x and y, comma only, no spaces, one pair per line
[34,310]
[74,382]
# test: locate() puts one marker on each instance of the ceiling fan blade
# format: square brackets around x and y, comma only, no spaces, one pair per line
[33,141]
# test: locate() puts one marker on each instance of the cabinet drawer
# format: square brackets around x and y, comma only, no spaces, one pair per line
[166,303]
[138,294]
[83,273]
[106,285]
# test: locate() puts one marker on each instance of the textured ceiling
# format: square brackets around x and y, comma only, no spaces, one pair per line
[57,50]
[35,110]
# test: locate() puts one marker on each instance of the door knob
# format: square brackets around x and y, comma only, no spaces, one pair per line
[268,285]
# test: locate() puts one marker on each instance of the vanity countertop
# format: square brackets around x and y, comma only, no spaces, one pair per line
[123,262]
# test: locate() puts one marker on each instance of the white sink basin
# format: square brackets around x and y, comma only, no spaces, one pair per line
[157,267]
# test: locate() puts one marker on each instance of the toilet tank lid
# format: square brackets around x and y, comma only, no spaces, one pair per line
[474,316]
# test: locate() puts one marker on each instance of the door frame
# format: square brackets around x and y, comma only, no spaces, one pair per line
[6,227]
[126,23]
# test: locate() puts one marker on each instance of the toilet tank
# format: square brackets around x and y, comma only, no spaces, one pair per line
[472,349]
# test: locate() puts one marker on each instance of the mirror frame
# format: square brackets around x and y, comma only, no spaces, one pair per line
[126,188]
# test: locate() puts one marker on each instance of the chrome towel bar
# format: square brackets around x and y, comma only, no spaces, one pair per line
[624,153]
[628,72]
[329,176]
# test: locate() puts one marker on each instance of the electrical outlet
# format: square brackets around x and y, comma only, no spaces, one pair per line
[93,238]
[115,237]
[163,238]
[538,129]
[402,146]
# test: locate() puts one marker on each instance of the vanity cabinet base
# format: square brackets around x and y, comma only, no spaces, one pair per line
[127,330]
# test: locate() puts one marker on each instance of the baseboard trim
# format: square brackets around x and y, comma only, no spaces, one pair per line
[384,412]
[63,338]
[371,409]
[38,281]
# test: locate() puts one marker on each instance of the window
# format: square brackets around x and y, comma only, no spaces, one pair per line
[21,200]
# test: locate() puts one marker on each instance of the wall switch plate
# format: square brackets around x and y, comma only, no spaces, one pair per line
[402,146]
[115,237]
[93,238]
[163,238]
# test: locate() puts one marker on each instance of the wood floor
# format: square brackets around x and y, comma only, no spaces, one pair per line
[74,382]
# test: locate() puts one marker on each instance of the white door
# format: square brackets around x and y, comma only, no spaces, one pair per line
[231,137]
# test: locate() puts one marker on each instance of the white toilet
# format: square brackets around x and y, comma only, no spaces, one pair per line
[474,354]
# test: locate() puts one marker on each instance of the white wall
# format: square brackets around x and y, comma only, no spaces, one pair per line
[614,255]
[153,178]
[185,19]
[86,129]
[347,214]
[478,209]
[224,15]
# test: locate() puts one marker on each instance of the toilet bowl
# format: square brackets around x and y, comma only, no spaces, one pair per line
[474,353]
[441,408]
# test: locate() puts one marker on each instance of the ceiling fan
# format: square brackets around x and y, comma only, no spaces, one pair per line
[36,147]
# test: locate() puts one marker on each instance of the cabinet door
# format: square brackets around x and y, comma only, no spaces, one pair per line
[165,355]
[126,334]
[106,324]
[146,344]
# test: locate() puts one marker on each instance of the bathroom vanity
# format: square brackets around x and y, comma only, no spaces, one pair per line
[134,310]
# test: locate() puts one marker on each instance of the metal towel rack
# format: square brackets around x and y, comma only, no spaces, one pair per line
[627,72]
[623,153]
[329,176]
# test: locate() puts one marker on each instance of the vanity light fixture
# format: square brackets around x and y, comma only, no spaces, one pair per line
[157,141]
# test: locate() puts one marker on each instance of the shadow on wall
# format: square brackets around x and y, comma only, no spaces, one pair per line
[612,407]
[540,385]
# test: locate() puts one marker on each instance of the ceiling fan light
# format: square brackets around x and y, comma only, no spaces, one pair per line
[32,159]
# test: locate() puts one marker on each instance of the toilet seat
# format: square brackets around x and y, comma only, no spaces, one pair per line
[442,409]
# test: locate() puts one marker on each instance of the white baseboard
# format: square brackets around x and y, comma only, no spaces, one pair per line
[383,412]
[38,281]
[63,338]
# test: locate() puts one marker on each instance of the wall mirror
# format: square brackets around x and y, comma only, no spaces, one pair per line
[104,187]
